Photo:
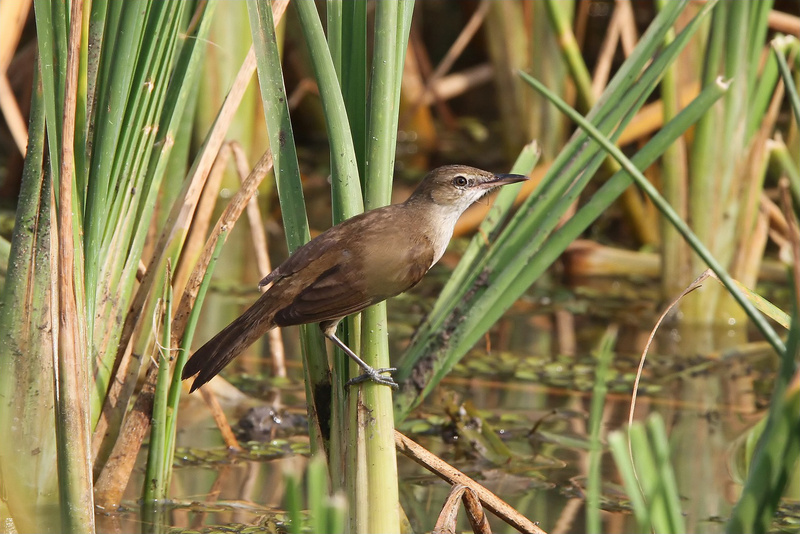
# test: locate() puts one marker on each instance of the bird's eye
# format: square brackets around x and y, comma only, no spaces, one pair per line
[460,181]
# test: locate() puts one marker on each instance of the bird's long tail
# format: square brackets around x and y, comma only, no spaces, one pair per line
[211,358]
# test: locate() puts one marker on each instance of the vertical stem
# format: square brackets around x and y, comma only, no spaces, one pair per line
[26,352]
[373,405]
[290,190]
[572,55]
[72,377]
[675,274]
[155,486]
[604,356]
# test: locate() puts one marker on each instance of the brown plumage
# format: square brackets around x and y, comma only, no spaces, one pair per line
[355,264]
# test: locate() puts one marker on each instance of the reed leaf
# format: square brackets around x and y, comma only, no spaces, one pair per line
[28,451]
[605,354]
[651,486]
[778,448]
[125,111]
[510,263]
[290,190]
[725,162]
[758,319]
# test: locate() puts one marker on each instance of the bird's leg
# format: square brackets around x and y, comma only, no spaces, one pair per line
[370,373]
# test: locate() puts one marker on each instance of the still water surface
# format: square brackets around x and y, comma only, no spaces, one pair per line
[537,399]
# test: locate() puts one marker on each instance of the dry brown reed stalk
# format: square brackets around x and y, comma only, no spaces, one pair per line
[180,217]
[421,122]
[261,250]
[12,113]
[784,22]
[425,68]
[621,31]
[13,16]
[72,396]
[115,474]
[226,222]
[777,220]
[224,225]
[220,419]
[629,36]
[446,522]
[453,53]
[121,388]
[458,83]
[196,238]
[753,230]
[114,407]
[450,474]
[589,258]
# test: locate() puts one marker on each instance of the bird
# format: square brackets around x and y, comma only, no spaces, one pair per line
[359,262]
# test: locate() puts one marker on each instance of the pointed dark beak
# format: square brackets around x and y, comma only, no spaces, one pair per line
[503,179]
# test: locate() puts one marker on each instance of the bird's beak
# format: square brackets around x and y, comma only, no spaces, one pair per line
[502,179]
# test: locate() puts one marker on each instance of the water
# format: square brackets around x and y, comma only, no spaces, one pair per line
[536,399]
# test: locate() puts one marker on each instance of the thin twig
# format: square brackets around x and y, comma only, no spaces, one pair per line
[180,217]
[608,50]
[446,522]
[219,418]
[453,53]
[694,285]
[458,83]
[439,467]
[477,518]
[202,218]
[226,222]
[262,259]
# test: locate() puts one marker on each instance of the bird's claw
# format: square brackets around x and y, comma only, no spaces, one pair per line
[375,375]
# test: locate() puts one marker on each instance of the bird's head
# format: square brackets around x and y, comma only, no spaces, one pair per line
[456,187]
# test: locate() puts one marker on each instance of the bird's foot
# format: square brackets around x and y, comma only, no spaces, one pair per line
[375,375]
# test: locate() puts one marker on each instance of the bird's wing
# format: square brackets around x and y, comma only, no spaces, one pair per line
[335,293]
[358,263]
[325,244]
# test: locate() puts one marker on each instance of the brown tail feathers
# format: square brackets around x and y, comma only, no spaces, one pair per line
[211,358]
